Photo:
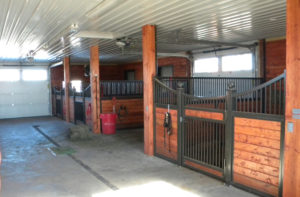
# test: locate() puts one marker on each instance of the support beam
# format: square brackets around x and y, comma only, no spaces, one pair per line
[95,90]
[149,70]
[291,179]
[67,84]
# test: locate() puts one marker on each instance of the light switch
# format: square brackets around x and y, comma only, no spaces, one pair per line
[290,127]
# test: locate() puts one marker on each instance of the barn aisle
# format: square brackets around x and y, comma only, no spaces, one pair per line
[104,166]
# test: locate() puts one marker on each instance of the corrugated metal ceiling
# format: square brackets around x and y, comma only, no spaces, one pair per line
[45,27]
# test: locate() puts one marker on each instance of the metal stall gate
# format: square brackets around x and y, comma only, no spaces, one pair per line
[58,102]
[237,137]
[203,134]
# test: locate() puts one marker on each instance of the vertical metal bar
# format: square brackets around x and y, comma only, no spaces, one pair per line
[210,149]
[83,106]
[279,103]
[261,100]
[256,101]
[61,104]
[195,140]
[74,105]
[275,100]
[180,123]
[229,135]
[265,99]
[198,140]
[216,145]
[270,99]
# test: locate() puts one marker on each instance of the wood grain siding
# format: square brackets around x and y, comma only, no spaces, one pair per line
[149,71]
[257,154]
[204,114]
[161,142]
[132,117]
[203,168]
[258,185]
[95,89]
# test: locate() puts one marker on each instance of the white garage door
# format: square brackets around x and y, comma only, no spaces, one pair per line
[24,92]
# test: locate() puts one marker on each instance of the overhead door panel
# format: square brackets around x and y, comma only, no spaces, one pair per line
[24,98]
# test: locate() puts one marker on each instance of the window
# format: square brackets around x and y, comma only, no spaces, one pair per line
[206,65]
[34,75]
[129,75]
[165,71]
[77,84]
[9,74]
[237,62]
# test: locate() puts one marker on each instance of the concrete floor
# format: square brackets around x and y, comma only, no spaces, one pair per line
[104,166]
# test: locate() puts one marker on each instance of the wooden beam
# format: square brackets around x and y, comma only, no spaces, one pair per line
[67,83]
[291,179]
[95,90]
[149,70]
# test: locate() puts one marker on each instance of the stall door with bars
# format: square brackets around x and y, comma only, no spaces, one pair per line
[24,92]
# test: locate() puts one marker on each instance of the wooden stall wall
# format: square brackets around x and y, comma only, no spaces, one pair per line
[132,117]
[165,145]
[111,72]
[71,109]
[76,73]
[256,162]
[181,68]
[130,112]
[275,58]
[57,76]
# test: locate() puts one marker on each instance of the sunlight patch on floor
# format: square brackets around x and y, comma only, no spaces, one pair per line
[157,188]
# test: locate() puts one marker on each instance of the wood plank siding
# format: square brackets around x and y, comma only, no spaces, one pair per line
[257,154]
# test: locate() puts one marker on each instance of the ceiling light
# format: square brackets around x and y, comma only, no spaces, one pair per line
[120,44]
[74,28]
[99,35]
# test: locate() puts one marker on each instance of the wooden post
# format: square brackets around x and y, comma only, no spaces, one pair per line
[95,90]
[291,175]
[149,70]
[67,83]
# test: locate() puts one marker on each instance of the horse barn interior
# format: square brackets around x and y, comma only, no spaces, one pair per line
[144,98]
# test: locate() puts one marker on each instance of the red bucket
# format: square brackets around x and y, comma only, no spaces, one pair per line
[109,123]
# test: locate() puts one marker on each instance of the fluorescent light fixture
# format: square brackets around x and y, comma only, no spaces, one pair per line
[99,35]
